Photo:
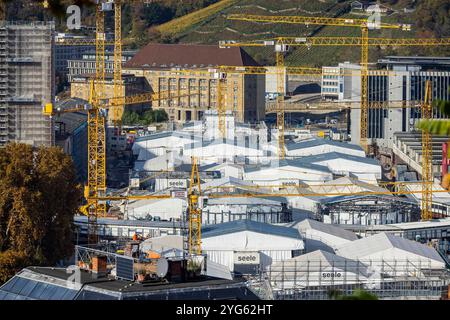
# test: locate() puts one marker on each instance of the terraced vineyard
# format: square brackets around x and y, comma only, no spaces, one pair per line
[213,27]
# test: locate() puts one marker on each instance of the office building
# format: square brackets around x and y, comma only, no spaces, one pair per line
[405,83]
[86,64]
[65,52]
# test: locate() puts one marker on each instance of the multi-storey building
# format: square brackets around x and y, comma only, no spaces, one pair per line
[330,83]
[26,82]
[158,64]
[86,64]
[65,52]
[404,84]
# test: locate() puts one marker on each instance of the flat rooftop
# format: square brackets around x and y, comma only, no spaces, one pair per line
[43,283]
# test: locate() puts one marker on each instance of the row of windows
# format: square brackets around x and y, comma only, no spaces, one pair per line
[330,83]
[325,76]
[378,91]
[440,86]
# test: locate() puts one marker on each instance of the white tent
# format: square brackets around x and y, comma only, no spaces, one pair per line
[289,172]
[316,146]
[346,164]
[221,241]
[317,268]
[165,209]
[402,255]
[163,243]
[330,235]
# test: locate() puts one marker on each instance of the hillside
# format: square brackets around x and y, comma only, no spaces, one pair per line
[429,18]
[204,21]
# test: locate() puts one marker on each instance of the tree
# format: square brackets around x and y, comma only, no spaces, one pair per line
[38,198]
[358,294]
[161,115]
[148,117]
[439,127]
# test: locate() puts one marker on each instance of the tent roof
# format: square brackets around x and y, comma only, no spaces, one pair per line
[220,229]
[320,142]
[325,228]
[361,248]
[296,163]
[339,155]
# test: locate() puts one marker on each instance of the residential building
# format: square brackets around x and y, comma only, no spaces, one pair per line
[158,63]
[26,82]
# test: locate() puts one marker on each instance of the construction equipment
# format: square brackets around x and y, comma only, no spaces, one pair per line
[320,190]
[280,50]
[337,41]
[195,213]
[221,101]
[363,24]
[340,106]
[427,157]
[96,185]
[112,102]
[286,42]
[117,85]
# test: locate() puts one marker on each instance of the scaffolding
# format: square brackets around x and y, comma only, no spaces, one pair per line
[319,279]
[26,82]
[370,210]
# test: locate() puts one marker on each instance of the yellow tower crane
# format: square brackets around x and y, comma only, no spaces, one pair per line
[427,157]
[194,193]
[285,42]
[195,212]
[117,85]
[280,50]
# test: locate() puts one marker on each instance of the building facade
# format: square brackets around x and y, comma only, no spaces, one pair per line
[86,64]
[26,82]
[160,65]
[65,52]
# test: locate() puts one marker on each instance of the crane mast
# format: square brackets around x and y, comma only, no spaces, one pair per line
[96,185]
[195,212]
[364,118]
[117,110]
[427,157]
[279,51]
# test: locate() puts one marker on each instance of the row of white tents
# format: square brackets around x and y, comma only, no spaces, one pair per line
[337,256]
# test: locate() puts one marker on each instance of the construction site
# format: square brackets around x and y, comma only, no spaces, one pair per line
[259,181]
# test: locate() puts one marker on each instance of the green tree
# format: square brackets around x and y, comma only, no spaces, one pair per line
[439,127]
[38,198]
[358,294]
[148,117]
[130,117]
[161,115]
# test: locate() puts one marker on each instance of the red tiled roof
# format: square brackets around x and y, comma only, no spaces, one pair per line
[156,55]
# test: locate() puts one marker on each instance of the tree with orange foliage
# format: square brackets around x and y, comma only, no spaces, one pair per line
[38,198]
